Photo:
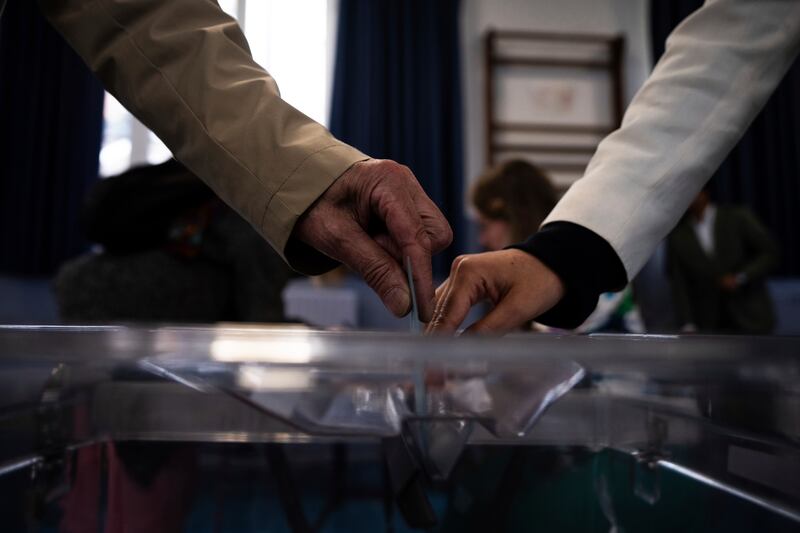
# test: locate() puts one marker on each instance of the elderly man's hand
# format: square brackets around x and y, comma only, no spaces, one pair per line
[520,286]
[370,219]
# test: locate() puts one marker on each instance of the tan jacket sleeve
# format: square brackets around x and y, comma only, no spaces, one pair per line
[183,67]
[720,66]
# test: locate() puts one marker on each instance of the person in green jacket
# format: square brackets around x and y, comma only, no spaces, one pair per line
[719,257]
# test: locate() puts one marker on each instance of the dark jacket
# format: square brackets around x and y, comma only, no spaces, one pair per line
[174,254]
[741,245]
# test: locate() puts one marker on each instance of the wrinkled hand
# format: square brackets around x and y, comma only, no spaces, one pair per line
[370,219]
[520,286]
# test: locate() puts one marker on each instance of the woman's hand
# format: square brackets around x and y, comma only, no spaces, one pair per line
[520,286]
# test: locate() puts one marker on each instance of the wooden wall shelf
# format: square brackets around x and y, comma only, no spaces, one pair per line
[605,53]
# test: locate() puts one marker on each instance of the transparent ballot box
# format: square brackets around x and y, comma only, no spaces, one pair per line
[232,428]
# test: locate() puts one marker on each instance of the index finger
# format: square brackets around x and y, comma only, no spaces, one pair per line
[407,231]
[461,293]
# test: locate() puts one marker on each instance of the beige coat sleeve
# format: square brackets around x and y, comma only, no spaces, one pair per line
[183,67]
[720,66]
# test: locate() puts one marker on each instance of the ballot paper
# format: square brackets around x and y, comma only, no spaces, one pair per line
[416,329]
[414,323]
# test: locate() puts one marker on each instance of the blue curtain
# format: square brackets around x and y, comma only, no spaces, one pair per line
[51,112]
[763,171]
[397,95]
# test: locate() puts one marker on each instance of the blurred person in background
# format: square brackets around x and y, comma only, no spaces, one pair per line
[719,257]
[512,200]
[167,250]
[176,254]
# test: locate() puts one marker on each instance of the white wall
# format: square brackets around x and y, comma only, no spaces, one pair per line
[628,17]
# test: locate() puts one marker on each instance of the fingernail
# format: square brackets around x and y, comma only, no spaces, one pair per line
[400,301]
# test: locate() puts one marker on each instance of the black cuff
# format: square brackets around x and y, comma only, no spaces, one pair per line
[586,263]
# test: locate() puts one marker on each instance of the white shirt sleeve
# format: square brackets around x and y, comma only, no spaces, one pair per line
[704,230]
[720,66]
